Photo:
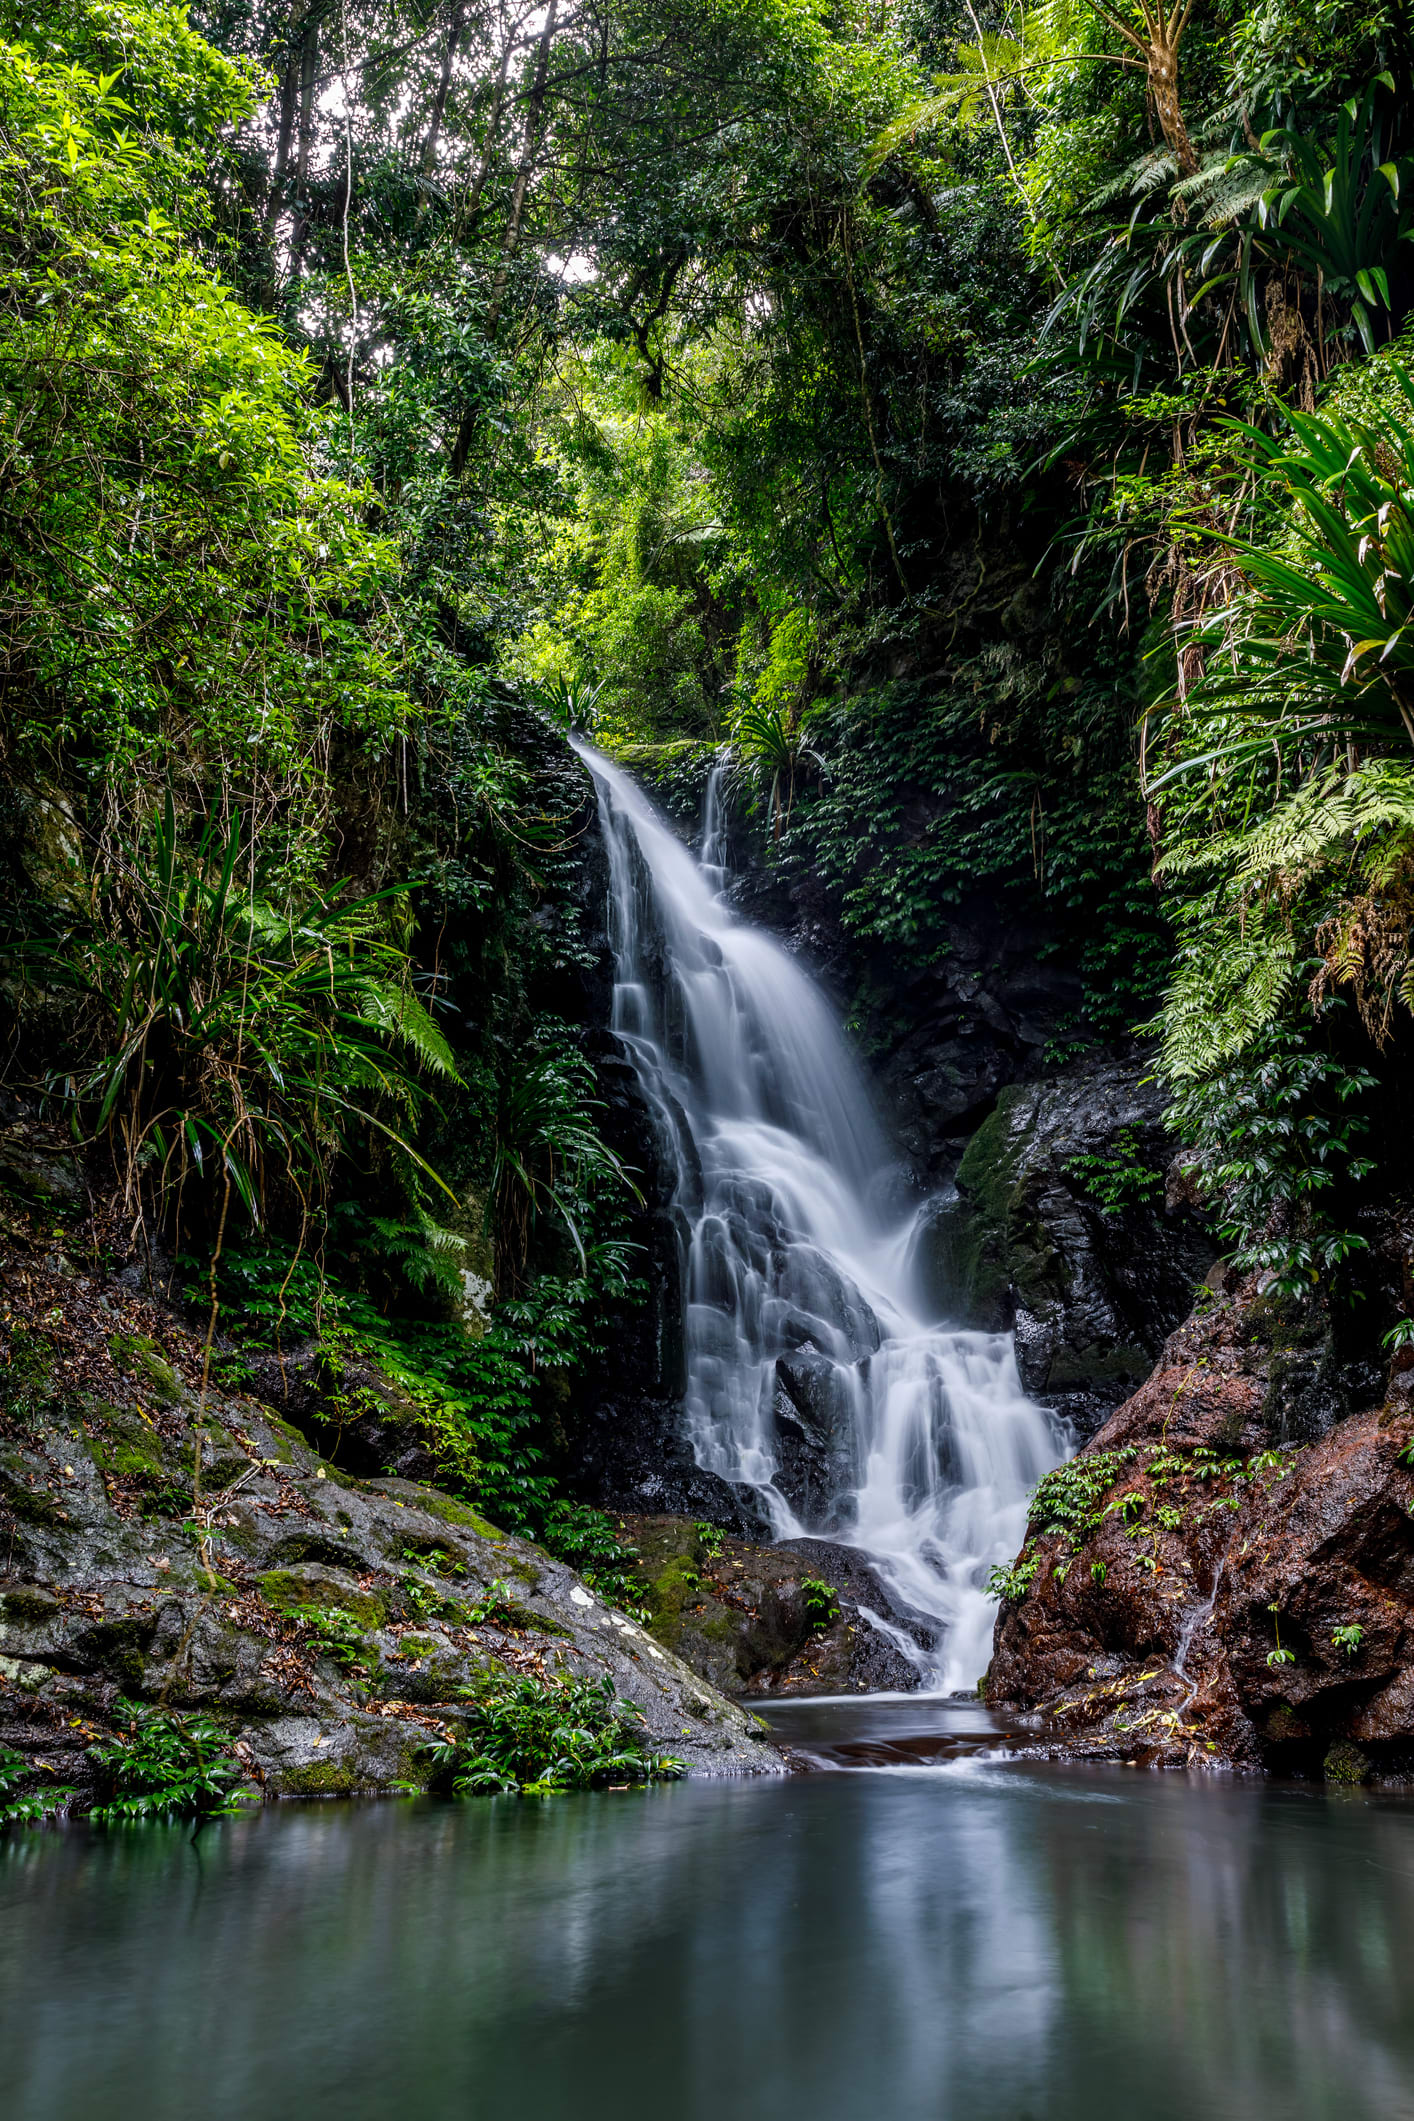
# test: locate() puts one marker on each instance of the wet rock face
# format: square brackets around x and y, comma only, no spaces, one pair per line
[329,1623]
[1065,1226]
[1224,1593]
[801,1618]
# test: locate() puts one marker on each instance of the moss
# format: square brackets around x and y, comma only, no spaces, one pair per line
[1071,1367]
[29,1605]
[994,1245]
[452,1512]
[143,1361]
[528,1574]
[36,1505]
[320,1778]
[669,1592]
[293,1591]
[1345,1763]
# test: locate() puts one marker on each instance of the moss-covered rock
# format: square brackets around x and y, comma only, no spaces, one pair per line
[142,1360]
[310,1586]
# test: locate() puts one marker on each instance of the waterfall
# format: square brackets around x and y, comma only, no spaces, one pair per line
[814,1375]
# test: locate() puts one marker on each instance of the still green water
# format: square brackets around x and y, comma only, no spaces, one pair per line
[936,1934]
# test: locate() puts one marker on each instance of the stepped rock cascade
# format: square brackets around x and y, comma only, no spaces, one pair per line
[813,1374]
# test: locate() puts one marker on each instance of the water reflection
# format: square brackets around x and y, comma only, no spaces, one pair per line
[976,1939]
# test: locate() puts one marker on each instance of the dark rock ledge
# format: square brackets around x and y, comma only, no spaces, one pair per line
[1240,1592]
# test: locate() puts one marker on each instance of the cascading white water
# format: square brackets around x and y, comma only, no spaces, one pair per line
[803,1319]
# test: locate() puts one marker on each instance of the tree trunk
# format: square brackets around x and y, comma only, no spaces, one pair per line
[534,117]
[530,141]
[444,84]
[1163,86]
[308,73]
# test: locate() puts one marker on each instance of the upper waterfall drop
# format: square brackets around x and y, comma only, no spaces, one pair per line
[800,1297]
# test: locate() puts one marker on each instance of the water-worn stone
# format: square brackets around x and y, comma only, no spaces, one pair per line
[1237,1596]
[330,1624]
[740,1613]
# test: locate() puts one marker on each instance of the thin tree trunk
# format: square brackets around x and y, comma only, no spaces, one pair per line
[308,73]
[439,101]
[288,77]
[1158,47]
[534,118]
[1163,85]
[530,141]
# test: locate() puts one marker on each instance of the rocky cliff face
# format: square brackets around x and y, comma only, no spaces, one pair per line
[1069,1222]
[329,1623]
[1225,1576]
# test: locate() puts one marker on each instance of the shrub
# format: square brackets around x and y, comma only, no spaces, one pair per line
[534,1736]
[163,1765]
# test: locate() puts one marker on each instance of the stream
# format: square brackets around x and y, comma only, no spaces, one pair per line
[925,1929]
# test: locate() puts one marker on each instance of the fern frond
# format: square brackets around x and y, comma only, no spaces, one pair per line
[398,1014]
[1230,983]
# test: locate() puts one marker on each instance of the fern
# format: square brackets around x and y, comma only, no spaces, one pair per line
[1231,981]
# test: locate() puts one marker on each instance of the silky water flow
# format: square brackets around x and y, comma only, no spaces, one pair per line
[804,1320]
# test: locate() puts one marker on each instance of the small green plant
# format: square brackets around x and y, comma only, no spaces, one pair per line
[822,1605]
[27,1809]
[534,1737]
[424,1598]
[587,1540]
[1011,1581]
[338,1636]
[497,1602]
[1278,1656]
[437,1559]
[1099,1570]
[711,1538]
[1348,1638]
[1400,1336]
[163,1765]
[1118,1178]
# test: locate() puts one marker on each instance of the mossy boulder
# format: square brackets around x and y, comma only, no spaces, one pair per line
[311,1586]
[143,1361]
[449,1508]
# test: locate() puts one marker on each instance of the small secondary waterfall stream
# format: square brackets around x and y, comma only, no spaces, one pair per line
[813,1374]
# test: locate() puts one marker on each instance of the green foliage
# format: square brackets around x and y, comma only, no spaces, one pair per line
[822,1605]
[21,1807]
[1010,1581]
[710,1537]
[337,1635]
[1168,1488]
[537,1737]
[163,1765]
[1007,786]
[1348,1638]
[549,1158]
[592,1544]
[1273,1143]
[177,572]
[1311,651]
[232,1031]
[1118,1178]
